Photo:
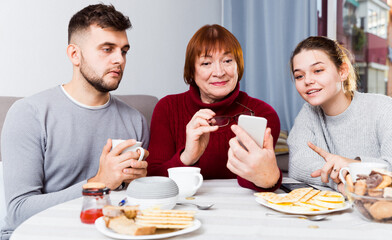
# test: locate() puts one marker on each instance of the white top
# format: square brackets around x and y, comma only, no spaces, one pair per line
[84,105]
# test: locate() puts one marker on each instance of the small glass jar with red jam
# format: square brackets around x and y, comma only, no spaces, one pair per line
[95,197]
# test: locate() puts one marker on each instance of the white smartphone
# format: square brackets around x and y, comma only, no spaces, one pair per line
[254,126]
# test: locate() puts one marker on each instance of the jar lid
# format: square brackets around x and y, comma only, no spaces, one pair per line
[96,191]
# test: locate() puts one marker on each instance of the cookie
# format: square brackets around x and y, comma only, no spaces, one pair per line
[386,181]
[360,187]
[349,182]
[381,210]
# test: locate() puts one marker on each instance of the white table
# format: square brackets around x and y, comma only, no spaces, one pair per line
[235,215]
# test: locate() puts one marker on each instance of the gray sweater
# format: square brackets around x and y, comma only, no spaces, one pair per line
[363,130]
[51,145]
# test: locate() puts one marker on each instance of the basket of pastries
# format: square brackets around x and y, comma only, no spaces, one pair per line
[371,195]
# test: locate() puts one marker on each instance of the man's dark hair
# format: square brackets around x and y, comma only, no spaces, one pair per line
[105,16]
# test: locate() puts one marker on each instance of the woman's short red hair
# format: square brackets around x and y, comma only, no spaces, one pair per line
[208,39]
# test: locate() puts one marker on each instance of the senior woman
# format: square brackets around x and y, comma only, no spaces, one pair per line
[197,127]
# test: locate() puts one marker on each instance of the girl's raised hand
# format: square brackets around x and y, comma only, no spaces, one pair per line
[332,166]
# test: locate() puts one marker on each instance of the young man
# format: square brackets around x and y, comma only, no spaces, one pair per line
[52,141]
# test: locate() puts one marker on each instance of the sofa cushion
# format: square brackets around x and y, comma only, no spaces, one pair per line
[5,104]
[145,104]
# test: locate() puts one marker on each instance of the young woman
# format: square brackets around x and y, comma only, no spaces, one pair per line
[197,127]
[337,125]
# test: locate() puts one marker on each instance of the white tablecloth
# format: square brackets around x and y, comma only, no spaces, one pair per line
[235,215]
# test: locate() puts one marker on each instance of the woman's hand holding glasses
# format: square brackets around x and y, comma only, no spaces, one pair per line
[197,136]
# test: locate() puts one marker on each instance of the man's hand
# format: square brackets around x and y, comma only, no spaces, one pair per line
[255,164]
[332,166]
[112,165]
[138,169]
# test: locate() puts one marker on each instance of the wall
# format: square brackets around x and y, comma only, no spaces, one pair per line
[33,39]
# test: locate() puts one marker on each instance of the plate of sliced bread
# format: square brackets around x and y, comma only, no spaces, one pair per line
[306,201]
[128,222]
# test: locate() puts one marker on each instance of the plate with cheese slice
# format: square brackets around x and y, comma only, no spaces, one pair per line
[306,201]
[128,222]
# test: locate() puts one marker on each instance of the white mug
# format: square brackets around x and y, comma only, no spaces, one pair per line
[359,168]
[132,148]
[188,180]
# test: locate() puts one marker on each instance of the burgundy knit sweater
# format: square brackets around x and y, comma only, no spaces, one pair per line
[168,133]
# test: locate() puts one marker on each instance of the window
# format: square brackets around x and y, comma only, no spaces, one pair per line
[362,28]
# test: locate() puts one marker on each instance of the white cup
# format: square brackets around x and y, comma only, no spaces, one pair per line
[359,168]
[188,180]
[132,148]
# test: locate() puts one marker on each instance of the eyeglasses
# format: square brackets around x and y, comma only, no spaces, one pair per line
[223,121]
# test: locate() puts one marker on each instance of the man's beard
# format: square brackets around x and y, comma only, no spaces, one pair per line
[94,80]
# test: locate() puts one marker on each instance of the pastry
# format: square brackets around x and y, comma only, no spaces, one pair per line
[381,210]
[360,187]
